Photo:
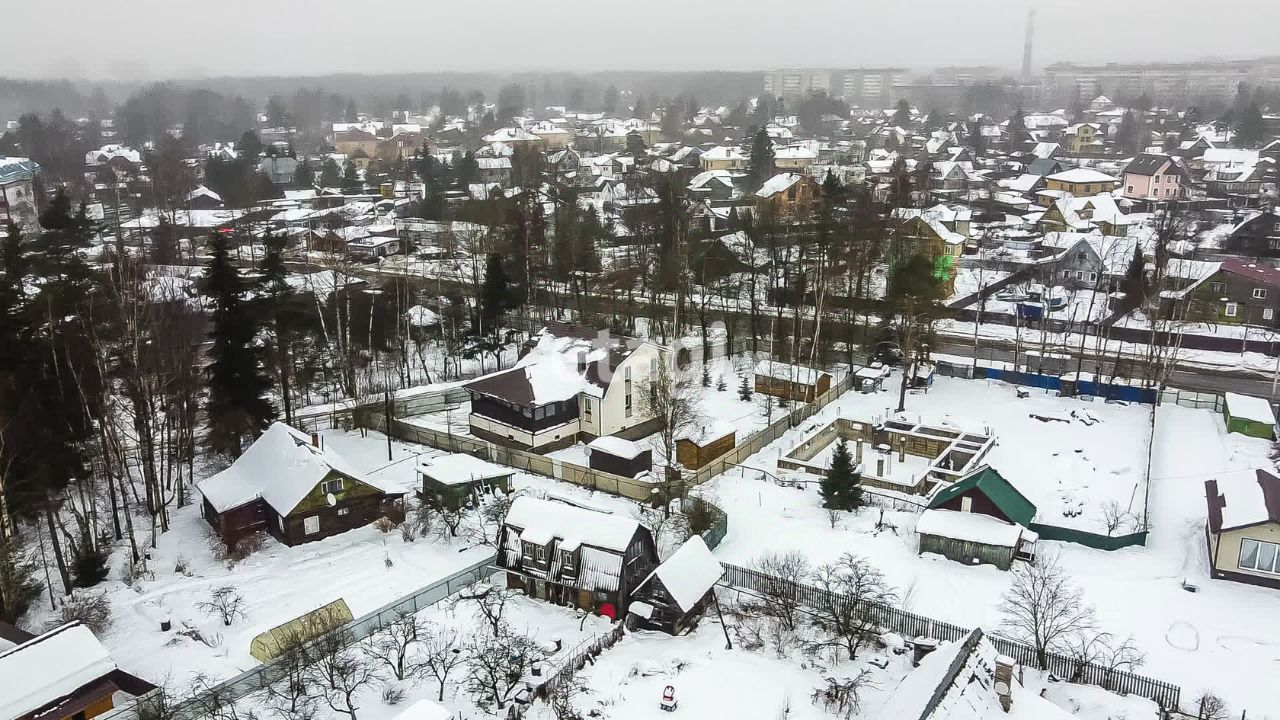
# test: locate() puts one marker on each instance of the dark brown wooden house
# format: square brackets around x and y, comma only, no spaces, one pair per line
[571,555]
[290,485]
[619,456]
[674,596]
[790,382]
[699,445]
[64,674]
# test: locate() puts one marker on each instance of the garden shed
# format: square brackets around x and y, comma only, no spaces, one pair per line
[698,445]
[449,481]
[619,456]
[1248,415]
[973,538]
[985,491]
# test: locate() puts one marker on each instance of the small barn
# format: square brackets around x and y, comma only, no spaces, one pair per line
[985,491]
[674,596]
[1248,415]
[790,382]
[698,445]
[572,555]
[451,481]
[973,538]
[616,455]
[290,485]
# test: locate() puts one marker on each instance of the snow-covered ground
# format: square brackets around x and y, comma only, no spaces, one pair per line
[1218,638]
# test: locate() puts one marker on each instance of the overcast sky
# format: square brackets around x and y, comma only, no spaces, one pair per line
[150,39]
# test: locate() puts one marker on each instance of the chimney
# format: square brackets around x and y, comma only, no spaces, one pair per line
[902,448]
[858,452]
[1004,681]
[922,646]
[315,439]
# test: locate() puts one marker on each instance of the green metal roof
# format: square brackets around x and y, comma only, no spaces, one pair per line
[1001,492]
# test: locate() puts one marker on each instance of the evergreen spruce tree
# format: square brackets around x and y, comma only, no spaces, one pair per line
[496,294]
[744,389]
[285,314]
[721,385]
[839,487]
[237,408]
[1017,129]
[902,114]
[1250,128]
[706,376]
[330,174]
[19,583]
[760,166]
[304,176]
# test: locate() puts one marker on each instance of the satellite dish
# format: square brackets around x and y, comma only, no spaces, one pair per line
[329,498]
[1002,687]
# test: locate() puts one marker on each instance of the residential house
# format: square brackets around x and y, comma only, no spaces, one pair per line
[1154,177]
[1084,138]
[280,169]
[570,385]
[714,185]
[1257,235]
[788,194]
[966,680]
[290,485]
[124,161]
[925,235]
[555,136]
[454,480]
[17,194]
[567,554]
[796,158]
[1240,292]
[702,442]
[515,137]
[356,140]
[1081,181]
[202,198]
[495,170]
[791,382]
[1242,533]
[725,157]
[673,597]
[63,674]
[1082,214]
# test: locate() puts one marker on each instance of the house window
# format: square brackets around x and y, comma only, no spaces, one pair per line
[1259,293]
[566,563]
[1259,556]
[1231,309]
[1217,287]
[586,409]
[627,382]
[1130,190]
[539,553]
[1093,277]
[331,487]
[1268,313]
[966,504]
[344,511]
[311,525]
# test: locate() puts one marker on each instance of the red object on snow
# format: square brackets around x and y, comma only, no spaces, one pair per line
[609,611]
[668,698]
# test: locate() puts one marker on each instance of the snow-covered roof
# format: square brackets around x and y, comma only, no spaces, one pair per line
[956,682]
[616,446]
[778,183]
[786,371]
[49,667]
[280,467]
[1082,175]
[970,527]
[1239,501]
[705,433]
[460,468]
[548,518]
[1249,408]
[688,574]
[419,316]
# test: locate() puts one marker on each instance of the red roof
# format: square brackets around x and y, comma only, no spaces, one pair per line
[1255,271]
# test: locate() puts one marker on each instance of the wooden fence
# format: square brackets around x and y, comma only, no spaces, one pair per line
[587,651]
[911,625]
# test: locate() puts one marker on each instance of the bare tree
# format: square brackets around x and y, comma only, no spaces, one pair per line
[497,664]
[340,671]
[392,646]
[214,700]
[440,653]
[1043,608]
[783,575]
[291,695]
[674,399]
[225,602]
[491,603]
[1104,650]
[1211,707]
[1115,518]
[847,612]
[843,697]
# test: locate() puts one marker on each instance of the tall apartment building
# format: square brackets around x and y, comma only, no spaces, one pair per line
[869,87]
[792,85]
[1176,83]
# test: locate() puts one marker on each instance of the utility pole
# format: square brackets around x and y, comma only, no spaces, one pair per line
[1026,46]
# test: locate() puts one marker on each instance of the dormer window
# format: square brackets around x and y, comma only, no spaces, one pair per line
[332,487]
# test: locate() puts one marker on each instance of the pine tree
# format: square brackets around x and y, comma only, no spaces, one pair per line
[706,376]
[1129,136]
[304,177]
[164,243]
[744,389]
[839,487]
[1250,127]
[496,294]
[285,314]
[1017,129]
[902,115]
[635,145]
[760,167]
[721,385]
[19,583]
[330,174]
[236,408]
[350,177]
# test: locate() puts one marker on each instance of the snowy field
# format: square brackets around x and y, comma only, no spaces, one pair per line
[1198,640]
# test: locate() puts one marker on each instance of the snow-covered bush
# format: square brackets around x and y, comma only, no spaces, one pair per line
[91,609]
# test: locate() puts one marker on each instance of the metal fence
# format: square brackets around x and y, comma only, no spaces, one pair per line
[911,625]
[1192,399]
[588,650]
[261,677]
